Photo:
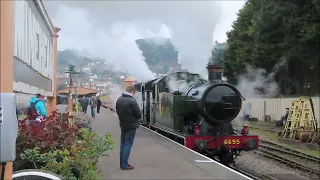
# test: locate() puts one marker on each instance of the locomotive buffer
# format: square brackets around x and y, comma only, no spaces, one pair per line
[157,157]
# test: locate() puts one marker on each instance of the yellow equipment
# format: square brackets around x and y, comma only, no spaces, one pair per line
[301,123]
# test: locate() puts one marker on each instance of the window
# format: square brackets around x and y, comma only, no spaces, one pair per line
[38,47]
[46,57]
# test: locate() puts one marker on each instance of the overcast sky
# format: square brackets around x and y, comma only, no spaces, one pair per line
[106,28]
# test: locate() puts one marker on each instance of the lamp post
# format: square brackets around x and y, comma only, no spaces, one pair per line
[70,71]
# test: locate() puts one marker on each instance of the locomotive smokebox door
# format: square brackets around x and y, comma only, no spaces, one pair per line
[221,103]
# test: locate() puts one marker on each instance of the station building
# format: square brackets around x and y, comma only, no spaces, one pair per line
[35,53]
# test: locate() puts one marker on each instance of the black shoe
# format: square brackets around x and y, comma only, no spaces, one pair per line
[129,167]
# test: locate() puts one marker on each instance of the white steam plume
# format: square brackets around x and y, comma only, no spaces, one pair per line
[113,94]
[256,83]
[108,29]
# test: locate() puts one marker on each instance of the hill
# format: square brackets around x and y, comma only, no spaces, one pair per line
[158,50]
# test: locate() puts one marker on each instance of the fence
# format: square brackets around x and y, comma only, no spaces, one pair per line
[275,107]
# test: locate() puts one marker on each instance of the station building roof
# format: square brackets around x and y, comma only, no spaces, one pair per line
[81,91]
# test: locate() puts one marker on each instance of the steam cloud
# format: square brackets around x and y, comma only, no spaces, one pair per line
[256,83]
[114,93]
[108,30]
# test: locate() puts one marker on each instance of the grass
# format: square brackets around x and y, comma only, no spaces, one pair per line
[273,137]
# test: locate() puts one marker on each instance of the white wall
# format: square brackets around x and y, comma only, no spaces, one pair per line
[276,107]
[36,53]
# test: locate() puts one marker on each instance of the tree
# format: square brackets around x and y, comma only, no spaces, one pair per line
[240,41]
[218,53]
[269,31]
[157,50]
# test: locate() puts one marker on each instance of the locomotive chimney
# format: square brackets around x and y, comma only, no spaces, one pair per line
[214,72]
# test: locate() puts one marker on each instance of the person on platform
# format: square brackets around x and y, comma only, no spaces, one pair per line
[129,114]
[98,105]
[93,105]
[84,104]
[37,110]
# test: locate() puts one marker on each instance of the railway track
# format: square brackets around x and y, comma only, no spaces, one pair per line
[281,148]
[289,157]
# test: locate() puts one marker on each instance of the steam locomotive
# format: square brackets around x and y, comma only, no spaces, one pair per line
[196,113]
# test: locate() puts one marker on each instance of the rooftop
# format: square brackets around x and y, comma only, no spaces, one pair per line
[80,90]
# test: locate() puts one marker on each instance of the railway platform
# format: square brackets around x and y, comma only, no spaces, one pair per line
[156,157]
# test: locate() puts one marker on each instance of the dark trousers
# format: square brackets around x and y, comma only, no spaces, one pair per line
[127,138]
[98,108]
[84,109]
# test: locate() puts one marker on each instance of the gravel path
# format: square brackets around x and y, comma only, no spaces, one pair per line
[258,166]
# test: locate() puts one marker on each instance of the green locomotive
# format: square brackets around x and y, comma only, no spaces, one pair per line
[196,113]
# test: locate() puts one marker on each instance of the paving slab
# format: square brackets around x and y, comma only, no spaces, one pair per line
[155,157]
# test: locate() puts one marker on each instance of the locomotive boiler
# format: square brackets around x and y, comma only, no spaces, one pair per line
[196,113]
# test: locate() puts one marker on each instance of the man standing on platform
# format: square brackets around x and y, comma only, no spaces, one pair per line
[98,105]
[129,114]
[84,104]
[93,105]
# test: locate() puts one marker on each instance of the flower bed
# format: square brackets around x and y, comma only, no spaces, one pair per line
[54,145]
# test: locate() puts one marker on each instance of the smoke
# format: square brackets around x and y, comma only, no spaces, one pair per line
[175,84]
[257,83]
[108,30]
[116,91]
[113,94]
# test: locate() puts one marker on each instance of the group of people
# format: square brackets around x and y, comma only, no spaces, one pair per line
[93,102]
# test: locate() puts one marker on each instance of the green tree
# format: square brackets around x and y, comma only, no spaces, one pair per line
[240,41]
[157,50]
[218,53]
[269,31]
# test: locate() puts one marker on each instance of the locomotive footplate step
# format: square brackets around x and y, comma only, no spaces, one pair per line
[155,157]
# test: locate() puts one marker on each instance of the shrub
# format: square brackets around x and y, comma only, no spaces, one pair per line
[52,134]
[83,119]
[80,161]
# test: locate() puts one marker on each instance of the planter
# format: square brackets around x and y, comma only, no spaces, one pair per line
[29,174]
